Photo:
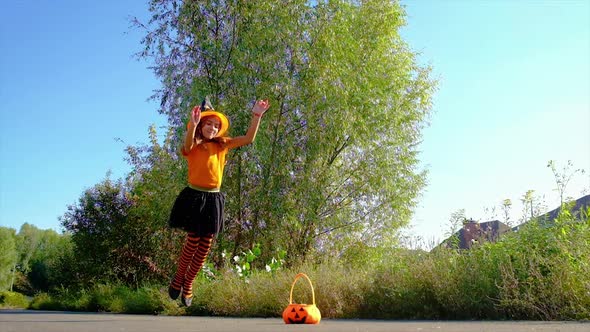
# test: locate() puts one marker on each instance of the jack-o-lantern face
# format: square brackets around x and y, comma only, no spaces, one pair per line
[301,314]
[297,315]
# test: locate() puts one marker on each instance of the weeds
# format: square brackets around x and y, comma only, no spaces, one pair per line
[539,272]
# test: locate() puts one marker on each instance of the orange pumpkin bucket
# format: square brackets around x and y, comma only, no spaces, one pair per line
[301,313]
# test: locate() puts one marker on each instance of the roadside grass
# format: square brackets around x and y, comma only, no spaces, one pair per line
[107,298]
[540,273]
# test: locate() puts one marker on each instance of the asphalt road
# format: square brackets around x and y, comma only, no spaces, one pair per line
[24,321]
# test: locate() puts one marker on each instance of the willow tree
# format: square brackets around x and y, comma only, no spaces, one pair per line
[335,162]
[8,257]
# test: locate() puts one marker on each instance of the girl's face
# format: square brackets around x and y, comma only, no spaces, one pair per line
[211,126]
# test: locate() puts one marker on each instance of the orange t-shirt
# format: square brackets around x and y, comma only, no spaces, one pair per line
[205,165]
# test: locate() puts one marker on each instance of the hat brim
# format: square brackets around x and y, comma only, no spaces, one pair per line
[222,118]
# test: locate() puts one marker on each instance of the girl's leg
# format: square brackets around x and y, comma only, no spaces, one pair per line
[188,251]
[195,266]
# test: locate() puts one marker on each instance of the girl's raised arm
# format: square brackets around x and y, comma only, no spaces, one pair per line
[258,110]
[189,137]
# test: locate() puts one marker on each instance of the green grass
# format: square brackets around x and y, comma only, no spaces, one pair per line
[536,273]
[108,298]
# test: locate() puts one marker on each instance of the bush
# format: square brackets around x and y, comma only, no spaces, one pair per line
[535,273]
[12,300]
[44,301]
[260,295]
[402,287]
[108,298]
[548,273]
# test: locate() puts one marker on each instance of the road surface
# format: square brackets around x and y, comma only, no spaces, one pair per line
[26,320]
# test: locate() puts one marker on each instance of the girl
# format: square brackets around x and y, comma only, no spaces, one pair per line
[198,209]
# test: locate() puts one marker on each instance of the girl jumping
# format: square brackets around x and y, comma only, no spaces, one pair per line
[198,209]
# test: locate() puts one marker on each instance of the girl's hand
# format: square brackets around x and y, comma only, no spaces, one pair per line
[196,115]
[260,107]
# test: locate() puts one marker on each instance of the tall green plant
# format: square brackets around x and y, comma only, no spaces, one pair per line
[46,266]
[120,228]
[97,224]
[27,241]
[563,177]
[335,161]
[157,176]
[8,257]
[547,275]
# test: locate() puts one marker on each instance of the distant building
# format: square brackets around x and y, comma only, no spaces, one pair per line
[473,232]
[577,208]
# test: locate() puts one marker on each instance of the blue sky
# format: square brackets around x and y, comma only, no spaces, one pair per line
[514,94]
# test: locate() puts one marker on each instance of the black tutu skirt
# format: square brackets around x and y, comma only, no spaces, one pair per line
[198,212]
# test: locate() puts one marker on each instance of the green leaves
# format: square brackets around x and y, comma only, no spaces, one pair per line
[335,161]
[8,257]
[243,264]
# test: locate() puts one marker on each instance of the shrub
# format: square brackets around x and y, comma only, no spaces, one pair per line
[11,300]
[108,298]
[44,301]
[535,273]
[548,274]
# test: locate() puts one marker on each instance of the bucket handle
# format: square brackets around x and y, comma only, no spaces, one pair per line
[299,275]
